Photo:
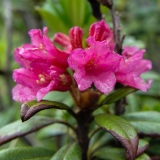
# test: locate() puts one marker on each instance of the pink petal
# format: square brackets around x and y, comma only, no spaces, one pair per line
[26,77]
[36,36]
[23,93]
[105,82]
[82,80]
[144,66]
[134,81]
[43,91]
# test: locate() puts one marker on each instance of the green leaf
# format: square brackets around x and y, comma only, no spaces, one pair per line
[68,152]
[146,123]
[142,146]
[121,130]
[107,153]
[30,108]
[19,129]
[118,94]
[143,157]
[78,12]
[26,153]
[52,21]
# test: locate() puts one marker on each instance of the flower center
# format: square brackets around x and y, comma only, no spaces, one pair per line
[41,79]
[91,64]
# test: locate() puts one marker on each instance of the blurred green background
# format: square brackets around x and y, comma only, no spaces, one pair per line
[140,21]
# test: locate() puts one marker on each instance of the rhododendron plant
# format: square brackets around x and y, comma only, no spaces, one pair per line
[96,70]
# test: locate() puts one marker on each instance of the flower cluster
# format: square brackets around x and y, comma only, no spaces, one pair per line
[44,66]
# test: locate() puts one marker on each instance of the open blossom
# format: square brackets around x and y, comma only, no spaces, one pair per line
[96,64]
[131,67]
[41,50]
[43,69]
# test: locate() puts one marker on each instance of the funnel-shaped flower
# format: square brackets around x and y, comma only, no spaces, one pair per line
[131,67]
[96,65]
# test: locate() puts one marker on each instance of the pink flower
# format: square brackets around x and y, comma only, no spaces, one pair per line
[41,50]
[44,68]
[131,67]
[96,65]
[99,30]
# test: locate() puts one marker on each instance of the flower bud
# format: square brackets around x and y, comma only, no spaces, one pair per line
[76,35]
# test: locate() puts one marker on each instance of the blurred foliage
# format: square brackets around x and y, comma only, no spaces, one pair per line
[140,22]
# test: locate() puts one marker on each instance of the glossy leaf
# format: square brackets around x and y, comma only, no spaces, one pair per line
[19,129]
[146,123]
[142,146]
[118,94]
[121,130]
[29,109]
[68,152]
[107,153]
[28,153]
[143,157]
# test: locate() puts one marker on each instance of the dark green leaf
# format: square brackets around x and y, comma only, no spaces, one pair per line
[121,130]
[19,129]
[68,152]
[107,153]
[143,157]
[146,123]
[118,94]
[26,153]
[29,109]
